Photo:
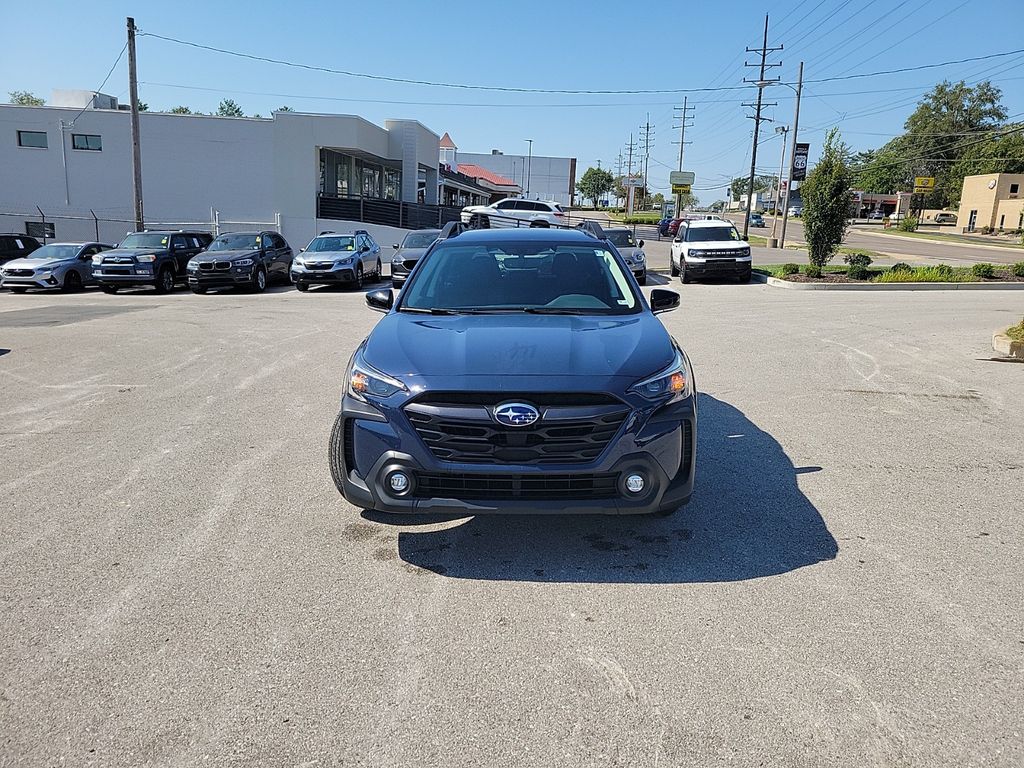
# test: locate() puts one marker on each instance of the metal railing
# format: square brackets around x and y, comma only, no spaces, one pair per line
[389,213]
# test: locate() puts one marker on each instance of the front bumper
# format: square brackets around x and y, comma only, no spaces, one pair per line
[220,278]
[135,274]
[660,445]
[52,280]
[718,267]
[336,274]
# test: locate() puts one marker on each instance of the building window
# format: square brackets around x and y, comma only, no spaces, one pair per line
[392,184]
[36,139]
[343,174]
[1014,189]
[371,181]
[1002,220]
[88,141]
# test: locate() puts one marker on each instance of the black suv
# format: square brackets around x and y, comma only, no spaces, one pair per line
[248,260]
[148,258]
[16,246]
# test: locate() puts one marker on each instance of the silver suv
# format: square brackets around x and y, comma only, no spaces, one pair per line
[513,212]
[332,258]
[632,251]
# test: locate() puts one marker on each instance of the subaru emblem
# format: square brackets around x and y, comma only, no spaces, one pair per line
[516,414]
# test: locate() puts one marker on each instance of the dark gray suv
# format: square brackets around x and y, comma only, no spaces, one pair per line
[148,258]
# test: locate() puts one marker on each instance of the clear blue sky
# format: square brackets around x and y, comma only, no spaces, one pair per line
[567,45]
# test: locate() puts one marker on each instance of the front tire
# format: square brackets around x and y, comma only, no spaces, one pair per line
[672,268]
[378,273]
[335,452]
[165,280]
[198,289]
[642,280]
[359,277]
[18,289]
[72,282]
[683,277]
[111,289]
[302,287]
[259,280]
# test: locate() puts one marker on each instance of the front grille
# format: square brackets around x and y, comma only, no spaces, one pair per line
[109,270]
[318,266]
[209,266]
[409,263]
[573,428]
[19,272]
[526,487]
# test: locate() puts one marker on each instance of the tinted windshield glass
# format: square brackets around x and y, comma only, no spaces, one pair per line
[419,239]
[576,279]
[55,252]
[238,242]
[621,239]
[332,244]
[145,240]
[711,234]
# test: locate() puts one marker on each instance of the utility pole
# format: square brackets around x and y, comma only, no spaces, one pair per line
[684,116]
[792,156]
[529,167]
[761,83]
[133,88]
[618,171]
[629,177]
[647,141]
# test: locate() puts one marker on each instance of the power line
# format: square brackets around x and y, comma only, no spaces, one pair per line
[100,88]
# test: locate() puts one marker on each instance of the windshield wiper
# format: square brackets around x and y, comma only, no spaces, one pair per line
[555,311]
[442,311]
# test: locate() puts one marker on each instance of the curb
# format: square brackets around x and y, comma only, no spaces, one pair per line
[774,281]
[1009,248]
[1006,346]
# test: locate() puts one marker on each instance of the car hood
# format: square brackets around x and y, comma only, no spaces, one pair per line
[718,246]
[328,255]
[31,263]
[410,345]
[407,254]
[226,255]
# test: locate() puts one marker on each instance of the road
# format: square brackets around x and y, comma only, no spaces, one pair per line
[182,584]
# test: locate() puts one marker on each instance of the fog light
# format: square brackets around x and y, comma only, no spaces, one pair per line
[635,483]
[398,482]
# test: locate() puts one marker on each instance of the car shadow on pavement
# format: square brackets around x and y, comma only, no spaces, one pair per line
[747,519]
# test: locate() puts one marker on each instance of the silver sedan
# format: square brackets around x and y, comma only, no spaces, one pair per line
[67,266]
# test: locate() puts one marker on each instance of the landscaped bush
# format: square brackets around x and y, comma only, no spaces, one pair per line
[944,270]
[857,272]
[908,224]
[857,259]
[986,230]
[983,270]
[813,271]
[943,273]
[901,266]
[794,269]
[1016,332]
[1018,269]
[642,218]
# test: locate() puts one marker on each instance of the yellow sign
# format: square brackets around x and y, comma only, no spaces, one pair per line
[924,184]
[681,189]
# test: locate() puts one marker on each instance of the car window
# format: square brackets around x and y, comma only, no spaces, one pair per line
[419,239]
[516,276]
[322,244]
[621,239]
[506,205]
[178,241]
[711,234]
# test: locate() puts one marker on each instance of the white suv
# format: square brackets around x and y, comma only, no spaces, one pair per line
[513,212]
[709,248]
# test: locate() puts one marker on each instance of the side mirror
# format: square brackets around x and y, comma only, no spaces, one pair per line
[663,301]
[302,250]
[384,300]
[395,246]
[364,248]
[640,244]
[745,237]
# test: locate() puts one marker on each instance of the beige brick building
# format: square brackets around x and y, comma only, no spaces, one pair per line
[993,200]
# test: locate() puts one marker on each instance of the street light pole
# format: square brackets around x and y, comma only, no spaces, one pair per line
[778,186]
[133,90]
[792,156]
[529,167]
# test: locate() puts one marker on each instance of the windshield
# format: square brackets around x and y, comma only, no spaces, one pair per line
[56,252]
[621,239]
[517,276]
[321,244]
[144,240]
[237,242]
[711,234]
[419,239]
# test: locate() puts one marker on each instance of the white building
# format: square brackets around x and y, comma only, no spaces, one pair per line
[293,170]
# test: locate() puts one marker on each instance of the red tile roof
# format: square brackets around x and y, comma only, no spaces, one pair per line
[476,172]
[446,142]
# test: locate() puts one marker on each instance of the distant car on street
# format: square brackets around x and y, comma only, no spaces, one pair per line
[945,217]
[756,220]
[663,226]
[796,210]
[513,212]
[249,260]
[332,258]
[67,266]
[16,246]
[409,252]
[876,215]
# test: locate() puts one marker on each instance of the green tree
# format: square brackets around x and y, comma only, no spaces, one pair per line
[717,206]
[180,110]
[826,199]
[228,108]
[143,106]
[26,99]
[595,184]
[688,200]
[738,186]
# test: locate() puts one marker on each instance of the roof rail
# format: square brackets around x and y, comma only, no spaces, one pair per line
[360,232]
[451,229]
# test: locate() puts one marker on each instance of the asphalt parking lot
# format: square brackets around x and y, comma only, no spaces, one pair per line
[182,584]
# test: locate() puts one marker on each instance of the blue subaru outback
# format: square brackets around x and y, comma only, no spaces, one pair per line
[523,372]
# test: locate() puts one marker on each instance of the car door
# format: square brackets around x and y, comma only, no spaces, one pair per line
[284,256]
[373,253]
[181,252]
[268,255]
[83,262]
[507,210]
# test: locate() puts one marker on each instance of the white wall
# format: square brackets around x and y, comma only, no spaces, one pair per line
[549,176]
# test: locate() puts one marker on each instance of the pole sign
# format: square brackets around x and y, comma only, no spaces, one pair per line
[924,184]
[799,172]
[633,181]
[680,178]
[681,189]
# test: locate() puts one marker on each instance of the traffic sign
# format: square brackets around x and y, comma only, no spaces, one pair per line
[633,181]
[924,184]
[678,178]
[681,189]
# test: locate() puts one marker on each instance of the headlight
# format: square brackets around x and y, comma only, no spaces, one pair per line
[343,262]
[365,381]
[243,263]
[745,252]
[639,256]
[298,261]
[671,383]
[146,257]
[695,253]
[97,258]
[191,266]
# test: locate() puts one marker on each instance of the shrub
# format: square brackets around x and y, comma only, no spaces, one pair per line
[909,224]
[1016,332]
[901,266]
[857,259]
[983,270]
[813,270]
[1018,269]
[944,270]
[857,272]
[794,269]
[940,274]
[986,230]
